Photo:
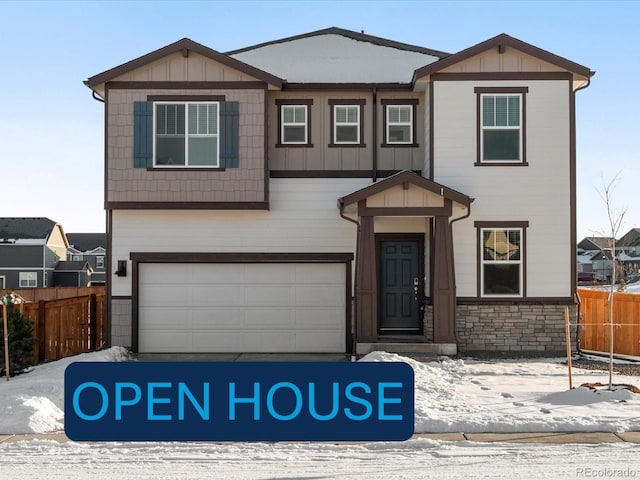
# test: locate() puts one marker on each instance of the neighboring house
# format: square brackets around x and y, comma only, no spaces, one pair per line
[594,255]
[72,274]
[30,249]
[338,192]
[92,248]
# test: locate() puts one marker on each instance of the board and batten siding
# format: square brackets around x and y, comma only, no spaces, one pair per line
[538,193]
[323,157]
[128,184]
[304,218]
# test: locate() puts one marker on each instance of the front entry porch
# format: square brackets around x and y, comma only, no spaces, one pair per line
[404,255]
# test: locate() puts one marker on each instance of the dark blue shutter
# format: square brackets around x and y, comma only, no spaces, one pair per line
[142,134]
[229,134]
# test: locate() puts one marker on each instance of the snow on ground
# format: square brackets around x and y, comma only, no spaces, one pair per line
[451,396]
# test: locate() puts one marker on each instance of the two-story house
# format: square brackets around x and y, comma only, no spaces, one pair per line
[30,249]
[338,192]
[89,247]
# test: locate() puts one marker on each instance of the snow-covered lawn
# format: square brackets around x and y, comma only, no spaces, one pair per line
[451,396]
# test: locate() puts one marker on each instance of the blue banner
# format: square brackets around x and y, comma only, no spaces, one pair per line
[241,401]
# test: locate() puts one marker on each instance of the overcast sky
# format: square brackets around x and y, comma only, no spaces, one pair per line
[51,130]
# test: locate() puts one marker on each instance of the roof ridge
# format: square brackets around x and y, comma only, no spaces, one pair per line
[359,36]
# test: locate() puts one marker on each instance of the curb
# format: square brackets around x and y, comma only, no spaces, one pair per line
[539,437]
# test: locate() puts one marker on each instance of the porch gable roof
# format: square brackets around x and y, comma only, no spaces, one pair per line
[400,178]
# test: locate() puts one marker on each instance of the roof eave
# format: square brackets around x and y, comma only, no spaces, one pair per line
[501,41]
[185,45]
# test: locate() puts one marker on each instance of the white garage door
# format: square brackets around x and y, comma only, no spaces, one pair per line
[241,307]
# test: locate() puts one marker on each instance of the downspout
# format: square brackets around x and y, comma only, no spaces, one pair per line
[577,300]
[355,284]
[453,254]
[374,134]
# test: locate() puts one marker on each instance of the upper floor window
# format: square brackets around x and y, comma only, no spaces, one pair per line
[501,122]
[28,279]
[347,128]
[186,134]
[294,122]
[75,257]
[399,119]
[100,261]
[502,256]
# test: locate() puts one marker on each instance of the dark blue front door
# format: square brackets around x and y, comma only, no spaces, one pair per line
[400,286]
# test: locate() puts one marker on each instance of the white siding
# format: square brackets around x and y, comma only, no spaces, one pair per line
[304,217]
[538,193]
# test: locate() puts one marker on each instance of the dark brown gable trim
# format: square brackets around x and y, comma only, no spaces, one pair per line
[186,85]
[523,128]
[399,179]
[501,41]
[399,101]
[185,98]
[187,205]
[294,101]
[471,76]
[360,102]
[184,45]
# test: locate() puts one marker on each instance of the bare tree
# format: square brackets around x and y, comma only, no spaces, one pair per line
[615,219]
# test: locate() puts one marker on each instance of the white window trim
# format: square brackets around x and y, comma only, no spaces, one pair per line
[284,124]
[337,124]
[187,134]
[400,124]
[24,278]
[100,261]
[484,262]
[500,127]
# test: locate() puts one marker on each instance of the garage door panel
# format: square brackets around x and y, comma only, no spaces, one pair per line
[218,295]
[205,319]
[166,296]
[317,296]
[274,318]
[242,307]
[270,273]
[325,319]
[223,273]
[269,295]
[318,274]
[166,318]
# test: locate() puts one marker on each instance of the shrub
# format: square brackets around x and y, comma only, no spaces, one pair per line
[21,341]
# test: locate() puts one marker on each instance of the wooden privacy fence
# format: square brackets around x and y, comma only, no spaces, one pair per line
[595,325]
[53,293]
[68,326]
